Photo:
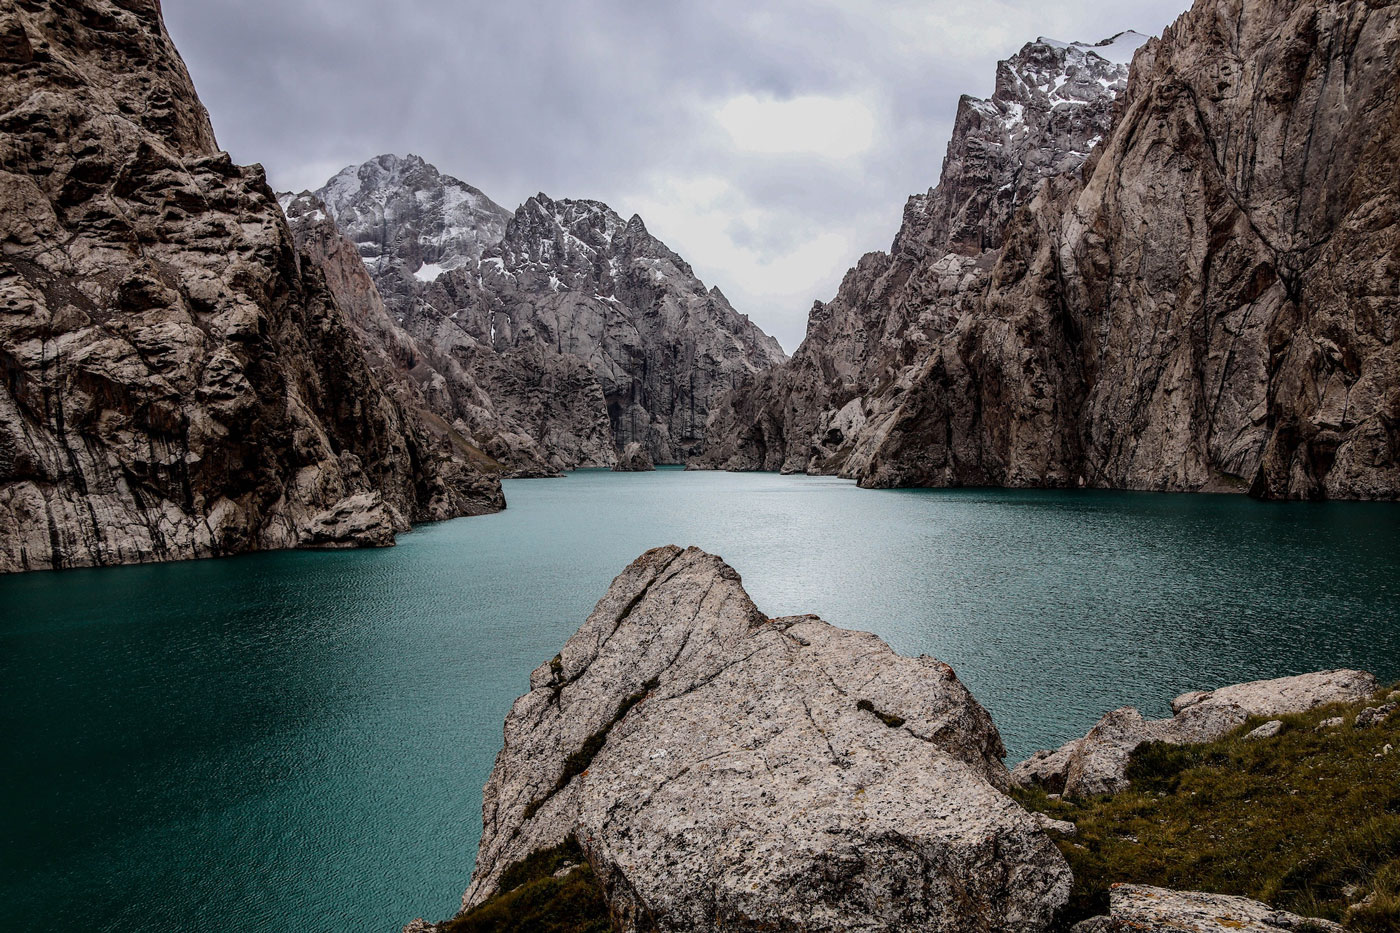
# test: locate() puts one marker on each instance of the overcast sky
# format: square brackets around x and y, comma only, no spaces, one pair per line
[769,142]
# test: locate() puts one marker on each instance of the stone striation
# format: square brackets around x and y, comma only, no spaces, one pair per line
[1210,304]
[1097,763]
[721,769]
[179,381]
[586,332]
[1140,908]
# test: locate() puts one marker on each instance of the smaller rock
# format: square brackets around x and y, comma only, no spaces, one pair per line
[361,520]
[1387,749]
[1267,731]
[1139,908]
[634,459]
[1374,715]
[1334,723]
[1052,825]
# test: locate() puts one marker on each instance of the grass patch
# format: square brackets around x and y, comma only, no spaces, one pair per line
[532,900]
[1306,821]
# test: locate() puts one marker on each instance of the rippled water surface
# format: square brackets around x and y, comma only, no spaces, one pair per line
[297,741]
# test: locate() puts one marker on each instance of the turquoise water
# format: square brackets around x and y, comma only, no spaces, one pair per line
[297,741]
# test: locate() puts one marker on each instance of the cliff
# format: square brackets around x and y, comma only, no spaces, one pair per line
[179,381]
[1209,304]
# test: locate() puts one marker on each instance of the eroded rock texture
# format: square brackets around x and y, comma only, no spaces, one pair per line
[725,770]
[178,380]
[1211,303]
[585,332]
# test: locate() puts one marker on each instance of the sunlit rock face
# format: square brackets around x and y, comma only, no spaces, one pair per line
[180,380]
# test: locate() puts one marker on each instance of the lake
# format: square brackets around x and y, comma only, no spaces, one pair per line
[298,740]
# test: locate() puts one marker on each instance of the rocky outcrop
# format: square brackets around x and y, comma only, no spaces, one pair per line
[1098,762]
[178,380]
[1140,908]
[723,769]
[634,459]
[1201,308]
[586,332]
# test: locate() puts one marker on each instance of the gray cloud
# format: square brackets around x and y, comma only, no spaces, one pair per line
[621,100]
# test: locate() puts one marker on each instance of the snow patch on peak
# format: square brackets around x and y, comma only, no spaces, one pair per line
[1118,49]
[429,272]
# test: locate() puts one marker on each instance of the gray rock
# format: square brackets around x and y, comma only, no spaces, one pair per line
[1137,908]
[1334,722]
[634,459]
[1374,715]
[1097,763]
[180,380]
[1266,731]
[1052,825]
[720,768]
[1285,695]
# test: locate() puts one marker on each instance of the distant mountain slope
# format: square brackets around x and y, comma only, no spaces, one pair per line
[584,331]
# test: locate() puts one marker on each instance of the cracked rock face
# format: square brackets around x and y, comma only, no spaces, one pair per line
[723,769]
[179,380]
[1097,763]
[584,331]
[1140,908]
[1209,303]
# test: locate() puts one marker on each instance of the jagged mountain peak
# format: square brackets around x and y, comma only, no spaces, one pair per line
[401,210]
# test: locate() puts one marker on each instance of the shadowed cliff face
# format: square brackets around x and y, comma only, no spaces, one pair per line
[584,331]
[1212,305]
[178,380]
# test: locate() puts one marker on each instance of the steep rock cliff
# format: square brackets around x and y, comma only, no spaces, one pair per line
[178,380]
[1212,304]
[1052,104]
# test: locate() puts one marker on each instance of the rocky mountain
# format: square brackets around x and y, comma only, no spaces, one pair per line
[179,381]
[586,332]
[1053,102]
[1209,304]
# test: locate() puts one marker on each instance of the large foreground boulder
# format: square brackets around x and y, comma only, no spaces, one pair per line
[1139,908]
[1098,762]
[724,770]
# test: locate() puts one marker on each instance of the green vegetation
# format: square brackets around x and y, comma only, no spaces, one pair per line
[534,901]
[1307,821]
